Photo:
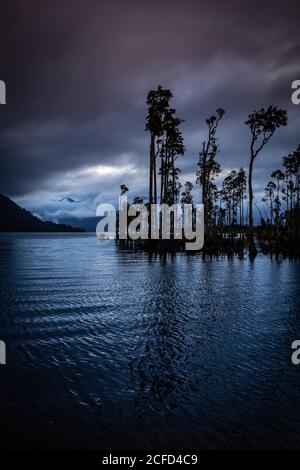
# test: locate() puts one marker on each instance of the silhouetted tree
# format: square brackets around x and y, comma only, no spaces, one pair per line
[291,164]
[137,200]
[269,198]
[262,124]
[158,107]
[208,166]
[186,195]
[123,189]
[242,186]
[291,192]
[171,148]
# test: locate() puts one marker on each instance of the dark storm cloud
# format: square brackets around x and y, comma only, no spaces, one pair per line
[77,74]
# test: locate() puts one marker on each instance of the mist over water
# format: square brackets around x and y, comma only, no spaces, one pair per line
[111,348]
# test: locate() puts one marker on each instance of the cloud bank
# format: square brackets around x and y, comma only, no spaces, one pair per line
[77,74]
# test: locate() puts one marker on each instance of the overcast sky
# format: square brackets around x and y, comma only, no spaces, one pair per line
[78,72]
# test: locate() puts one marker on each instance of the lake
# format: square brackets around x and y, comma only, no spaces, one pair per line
[112,348]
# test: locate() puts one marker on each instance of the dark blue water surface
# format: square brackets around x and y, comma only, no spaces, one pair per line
[108,347]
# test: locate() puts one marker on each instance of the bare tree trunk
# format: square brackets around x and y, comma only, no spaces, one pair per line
[243,218]
[204,178]
[166,176]
[271,212]
[250,192]
[155,179]
[161,176]
[173,180]
[152,157]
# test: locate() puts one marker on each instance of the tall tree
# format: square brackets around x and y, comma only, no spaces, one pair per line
[171,148]
[158,106]
[269,198]
[292,166]
[262,124]
[186,195]
[208,166]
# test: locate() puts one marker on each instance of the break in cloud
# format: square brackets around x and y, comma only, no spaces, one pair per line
[77,74]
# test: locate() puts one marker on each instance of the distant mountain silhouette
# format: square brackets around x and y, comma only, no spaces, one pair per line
[15,219]
[89,224]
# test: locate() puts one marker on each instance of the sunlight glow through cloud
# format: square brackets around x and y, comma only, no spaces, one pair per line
[104,170]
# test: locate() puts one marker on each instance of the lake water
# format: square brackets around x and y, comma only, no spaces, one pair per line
[111,348]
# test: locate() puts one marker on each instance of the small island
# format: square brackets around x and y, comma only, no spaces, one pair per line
[230,225]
